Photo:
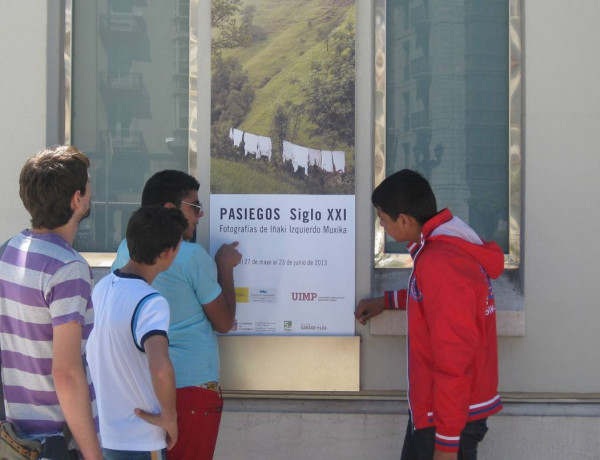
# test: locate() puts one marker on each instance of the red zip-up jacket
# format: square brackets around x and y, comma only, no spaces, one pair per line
[451,341]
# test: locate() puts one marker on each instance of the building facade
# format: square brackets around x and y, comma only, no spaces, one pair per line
[549,372]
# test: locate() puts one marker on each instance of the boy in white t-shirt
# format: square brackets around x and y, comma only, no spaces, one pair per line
[127,350]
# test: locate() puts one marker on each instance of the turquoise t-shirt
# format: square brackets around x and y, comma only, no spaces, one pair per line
[189,283]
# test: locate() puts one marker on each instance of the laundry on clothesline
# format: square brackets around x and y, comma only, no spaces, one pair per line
[288,151]
[264,147]
[314,157]
[339,161]
[326,161]
[259,146]
[250,144]
[300,156]
[237,136]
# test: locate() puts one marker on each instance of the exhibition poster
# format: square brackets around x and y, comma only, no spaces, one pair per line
[282,161]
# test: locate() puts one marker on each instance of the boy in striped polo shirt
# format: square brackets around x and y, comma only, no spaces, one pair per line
[45,308]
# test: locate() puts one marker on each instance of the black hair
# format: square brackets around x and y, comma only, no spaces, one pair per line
[405,192]
[151,230]
[168,186]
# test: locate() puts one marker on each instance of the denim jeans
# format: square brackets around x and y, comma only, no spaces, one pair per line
[420,444]
[56,448]
[109,454]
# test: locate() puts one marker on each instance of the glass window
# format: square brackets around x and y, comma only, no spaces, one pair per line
[447,106]
[129,104]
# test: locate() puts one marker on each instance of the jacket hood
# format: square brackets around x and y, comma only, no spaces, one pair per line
[444,226]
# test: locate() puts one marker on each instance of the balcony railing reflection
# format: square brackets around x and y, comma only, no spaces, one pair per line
[420,119]
[122,23]
[125,141]
[122,81]
[181,9]
[178,142]
[419,14]
[420,65]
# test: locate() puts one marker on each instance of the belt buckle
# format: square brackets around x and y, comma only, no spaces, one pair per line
[212,386]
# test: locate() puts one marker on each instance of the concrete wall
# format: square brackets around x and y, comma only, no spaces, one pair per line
[352,436]
[561,196]
[24,96]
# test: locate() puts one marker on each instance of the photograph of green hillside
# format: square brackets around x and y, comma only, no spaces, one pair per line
[282,97]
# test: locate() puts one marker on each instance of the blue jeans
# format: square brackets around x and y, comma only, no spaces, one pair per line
[109,454]
[419,444]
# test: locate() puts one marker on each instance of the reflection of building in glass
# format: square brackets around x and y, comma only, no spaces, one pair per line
[447,104]
[487,117]
[130,104]
[181,69]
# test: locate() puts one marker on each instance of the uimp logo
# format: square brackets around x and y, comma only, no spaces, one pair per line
[304,296]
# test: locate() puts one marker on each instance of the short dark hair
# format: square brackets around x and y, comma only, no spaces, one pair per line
[151,230]
[48,182]
[405,192]
[168,186]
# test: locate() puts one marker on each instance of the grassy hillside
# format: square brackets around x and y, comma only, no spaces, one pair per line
[236,177]
[291,26]
[258,177]
[295,34]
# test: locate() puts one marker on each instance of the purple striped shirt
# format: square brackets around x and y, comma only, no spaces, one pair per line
[44,283]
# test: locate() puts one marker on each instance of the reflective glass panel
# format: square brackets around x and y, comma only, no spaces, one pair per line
[130,104]
[447,106]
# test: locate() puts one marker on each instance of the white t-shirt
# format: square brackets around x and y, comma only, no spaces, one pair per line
[127,311]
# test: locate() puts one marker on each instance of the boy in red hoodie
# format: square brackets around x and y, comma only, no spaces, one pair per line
[451,340]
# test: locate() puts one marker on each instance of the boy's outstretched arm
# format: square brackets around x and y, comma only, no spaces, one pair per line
[221,311]
[368,308]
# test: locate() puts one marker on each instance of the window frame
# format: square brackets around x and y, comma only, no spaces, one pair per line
[512,259]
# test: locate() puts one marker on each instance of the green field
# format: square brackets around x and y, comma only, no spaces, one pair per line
[248,176]
[236,177]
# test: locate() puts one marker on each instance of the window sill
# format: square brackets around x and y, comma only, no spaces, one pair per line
[99,259]
[393,322]
[510,314]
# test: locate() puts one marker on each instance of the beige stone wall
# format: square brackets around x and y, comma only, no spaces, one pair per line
[23,96]
[277,436]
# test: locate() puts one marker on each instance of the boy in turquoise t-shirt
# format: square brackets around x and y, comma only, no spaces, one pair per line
[201,296]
